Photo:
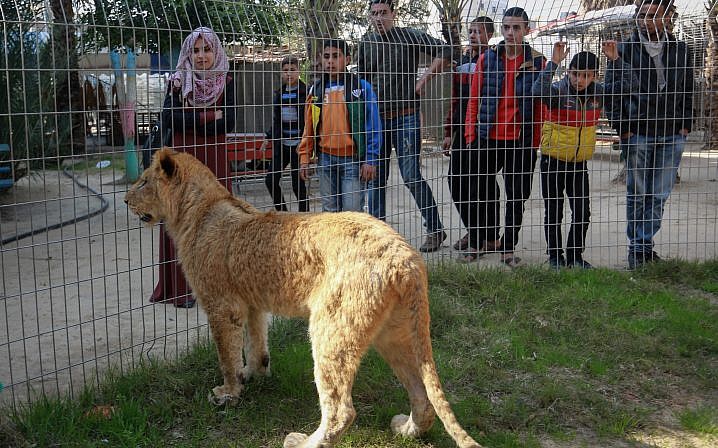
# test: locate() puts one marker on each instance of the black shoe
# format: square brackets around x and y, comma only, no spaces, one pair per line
[579,262]
[636,260]
[557,262]
[463,243]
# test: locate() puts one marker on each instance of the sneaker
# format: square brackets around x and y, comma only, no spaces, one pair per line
[557,262]
[433,241]
[463,243]
[579,262]
[469,256]
[188,303]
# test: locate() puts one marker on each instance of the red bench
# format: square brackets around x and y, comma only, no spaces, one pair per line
[245,148]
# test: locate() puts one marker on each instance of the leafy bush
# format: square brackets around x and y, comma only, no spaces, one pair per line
[38,79]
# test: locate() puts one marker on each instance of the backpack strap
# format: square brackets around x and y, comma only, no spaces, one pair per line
[314,103]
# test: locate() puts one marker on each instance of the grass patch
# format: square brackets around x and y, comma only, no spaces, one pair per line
[703,419]
[583,358]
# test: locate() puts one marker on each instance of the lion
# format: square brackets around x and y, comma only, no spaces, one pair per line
[356,280]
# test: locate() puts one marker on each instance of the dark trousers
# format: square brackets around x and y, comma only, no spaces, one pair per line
[559,177]
[517,166]
[283,155]
[464,188]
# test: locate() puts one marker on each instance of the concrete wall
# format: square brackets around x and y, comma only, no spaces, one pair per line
[254,84]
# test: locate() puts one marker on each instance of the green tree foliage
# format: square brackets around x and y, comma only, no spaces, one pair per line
[411,13]
[349,19]
[161,25]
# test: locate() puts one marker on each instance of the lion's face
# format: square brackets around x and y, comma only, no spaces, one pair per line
[144,198]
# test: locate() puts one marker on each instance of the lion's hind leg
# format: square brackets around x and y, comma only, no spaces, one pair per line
[405,344]
[256,347]
[396,345]
[338,344]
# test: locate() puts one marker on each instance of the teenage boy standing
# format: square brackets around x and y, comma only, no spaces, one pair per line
[504,119]
[464,164]
[342,126]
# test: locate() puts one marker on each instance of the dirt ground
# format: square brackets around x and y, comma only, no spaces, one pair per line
[73,301]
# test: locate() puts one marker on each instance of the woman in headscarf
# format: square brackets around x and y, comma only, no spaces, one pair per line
[199,109]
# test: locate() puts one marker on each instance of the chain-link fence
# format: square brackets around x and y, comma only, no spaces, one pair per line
[89,89]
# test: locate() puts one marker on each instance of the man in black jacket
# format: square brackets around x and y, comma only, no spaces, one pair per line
[653,122]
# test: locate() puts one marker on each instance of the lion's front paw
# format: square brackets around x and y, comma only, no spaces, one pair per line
[248,372]
[223,394]
[402,424]
[294,439]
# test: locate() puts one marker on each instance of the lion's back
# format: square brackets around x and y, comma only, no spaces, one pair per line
[368,249]
[360,236]
[280,259]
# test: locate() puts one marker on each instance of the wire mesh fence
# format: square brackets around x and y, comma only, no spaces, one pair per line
[408,117]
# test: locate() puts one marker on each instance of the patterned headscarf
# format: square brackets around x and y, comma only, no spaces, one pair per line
[201,88]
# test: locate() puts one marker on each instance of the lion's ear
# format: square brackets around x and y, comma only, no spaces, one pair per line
[167,162]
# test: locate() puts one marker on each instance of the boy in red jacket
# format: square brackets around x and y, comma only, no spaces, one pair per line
[503,120]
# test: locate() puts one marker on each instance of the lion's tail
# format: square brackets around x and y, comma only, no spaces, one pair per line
[419,289]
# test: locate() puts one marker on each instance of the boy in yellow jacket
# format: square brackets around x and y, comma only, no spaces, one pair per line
[568,139]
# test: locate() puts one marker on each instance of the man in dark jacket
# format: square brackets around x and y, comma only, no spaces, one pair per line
[389,59]
[653,123]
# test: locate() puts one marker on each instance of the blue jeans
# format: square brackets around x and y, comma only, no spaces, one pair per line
[405,134]
[339,183]
[651,168]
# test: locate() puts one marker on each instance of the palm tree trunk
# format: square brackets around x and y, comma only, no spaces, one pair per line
[597,5]
[321,21]
[711,74]
[450,16]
